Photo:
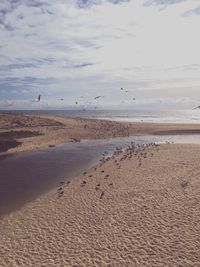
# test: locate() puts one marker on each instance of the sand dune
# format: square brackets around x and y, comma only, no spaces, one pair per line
[148,215]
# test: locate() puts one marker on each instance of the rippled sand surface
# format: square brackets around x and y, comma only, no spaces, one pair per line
[139,208]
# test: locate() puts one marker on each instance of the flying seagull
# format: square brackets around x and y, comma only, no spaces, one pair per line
[99,96]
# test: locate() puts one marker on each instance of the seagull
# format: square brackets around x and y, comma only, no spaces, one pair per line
[102,194]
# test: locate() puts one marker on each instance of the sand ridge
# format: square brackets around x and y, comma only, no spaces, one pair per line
[148,215]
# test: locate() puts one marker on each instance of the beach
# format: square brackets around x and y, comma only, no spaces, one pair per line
[148,215]
[19,132]
[137,207]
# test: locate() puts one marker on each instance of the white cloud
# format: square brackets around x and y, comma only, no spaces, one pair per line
[144,46]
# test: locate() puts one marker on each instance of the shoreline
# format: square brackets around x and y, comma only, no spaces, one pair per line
[30,132]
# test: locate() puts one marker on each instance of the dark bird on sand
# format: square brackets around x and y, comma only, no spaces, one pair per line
[97,187]
[184,184]
[51,145]
[60,188]
[61,193]
[83,183]
[39,97]
[102,194]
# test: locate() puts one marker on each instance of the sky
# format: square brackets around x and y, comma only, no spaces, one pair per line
[76,50]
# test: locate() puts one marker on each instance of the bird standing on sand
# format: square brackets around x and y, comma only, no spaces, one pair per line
[102,194]
[83,183]
[39,97]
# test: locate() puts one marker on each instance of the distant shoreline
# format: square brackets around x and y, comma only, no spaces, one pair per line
[179,116]
[20,132]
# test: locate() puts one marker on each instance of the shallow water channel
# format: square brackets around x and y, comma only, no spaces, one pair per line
[25,176]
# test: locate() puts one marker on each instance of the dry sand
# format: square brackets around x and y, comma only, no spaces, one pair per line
[148,215]
[21,133]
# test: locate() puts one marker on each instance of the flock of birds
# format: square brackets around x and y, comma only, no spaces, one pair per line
[139,152]
[38,99]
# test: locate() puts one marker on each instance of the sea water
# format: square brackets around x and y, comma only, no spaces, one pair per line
[137,115]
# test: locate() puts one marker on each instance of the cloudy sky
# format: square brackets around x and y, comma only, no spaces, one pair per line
[78,49]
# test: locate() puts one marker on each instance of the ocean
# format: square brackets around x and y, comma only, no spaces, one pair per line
[139,115]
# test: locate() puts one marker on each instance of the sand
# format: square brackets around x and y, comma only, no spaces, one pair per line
[140,208]
[20,132]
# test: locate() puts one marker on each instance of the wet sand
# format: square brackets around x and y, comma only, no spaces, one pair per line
[140,207]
